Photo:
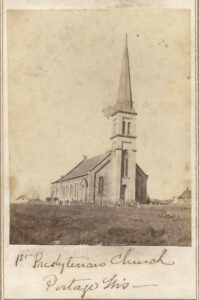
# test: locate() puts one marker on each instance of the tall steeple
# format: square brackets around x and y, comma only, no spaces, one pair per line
[124,97]
[123,116]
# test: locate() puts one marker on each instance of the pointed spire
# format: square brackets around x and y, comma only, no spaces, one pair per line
[124,101]
[124,98]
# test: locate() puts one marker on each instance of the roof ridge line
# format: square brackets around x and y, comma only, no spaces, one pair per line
[73,168]
[58,180]
[104,156]
[79,164]
[75,177]
[141,169]
[101,161]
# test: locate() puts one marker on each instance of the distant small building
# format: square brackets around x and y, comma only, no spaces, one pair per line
[185,196]
[21,199]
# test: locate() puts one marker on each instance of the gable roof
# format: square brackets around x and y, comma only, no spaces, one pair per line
[84,167]
[185,195]
[139,169]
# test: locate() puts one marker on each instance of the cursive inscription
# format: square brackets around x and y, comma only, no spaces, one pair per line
[81,285]
[39,261]
[164,214]
[85,285]
[57,280]
[128,257]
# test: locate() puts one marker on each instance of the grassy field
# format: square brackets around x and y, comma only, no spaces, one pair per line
[94,225]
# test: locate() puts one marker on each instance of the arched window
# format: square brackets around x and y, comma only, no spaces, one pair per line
[84,183]
[125,163]
[101,185]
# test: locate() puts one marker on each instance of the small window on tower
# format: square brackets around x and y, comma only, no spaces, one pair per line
[125,163]
[129,128]
[123,127]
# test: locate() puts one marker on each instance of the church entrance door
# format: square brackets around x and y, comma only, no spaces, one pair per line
[123,192]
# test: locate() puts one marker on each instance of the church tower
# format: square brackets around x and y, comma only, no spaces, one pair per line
[123,169]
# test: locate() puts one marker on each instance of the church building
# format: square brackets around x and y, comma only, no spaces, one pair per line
[113,177]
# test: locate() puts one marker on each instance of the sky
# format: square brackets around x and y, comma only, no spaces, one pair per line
[63,70]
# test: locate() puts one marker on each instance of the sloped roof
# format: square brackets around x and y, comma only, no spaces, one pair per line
[141,170]
[84,167]
[185,195]
[22,197]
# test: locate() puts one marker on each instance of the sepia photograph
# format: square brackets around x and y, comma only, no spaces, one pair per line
[99,125]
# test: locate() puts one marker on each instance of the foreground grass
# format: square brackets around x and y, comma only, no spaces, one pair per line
[107,226]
